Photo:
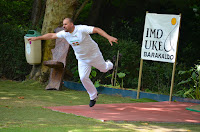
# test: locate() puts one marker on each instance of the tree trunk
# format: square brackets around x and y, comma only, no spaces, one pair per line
[80,9]
[37,12]
[95,11]
[56,11]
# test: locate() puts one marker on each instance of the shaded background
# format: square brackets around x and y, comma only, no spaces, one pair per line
[123,19]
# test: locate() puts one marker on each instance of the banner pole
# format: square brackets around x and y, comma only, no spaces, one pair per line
[140,76]
[172,81]
[174,65]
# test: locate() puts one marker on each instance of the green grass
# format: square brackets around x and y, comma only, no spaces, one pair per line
[21,107]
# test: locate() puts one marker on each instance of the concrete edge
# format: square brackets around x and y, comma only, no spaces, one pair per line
[192,110]
[129,93]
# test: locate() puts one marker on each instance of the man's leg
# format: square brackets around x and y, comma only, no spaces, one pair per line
[102,65]
[84,73]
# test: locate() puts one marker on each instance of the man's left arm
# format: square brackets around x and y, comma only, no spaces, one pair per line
[104,34]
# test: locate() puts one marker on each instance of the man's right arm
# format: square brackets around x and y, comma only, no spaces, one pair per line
[44,37]
[104,34]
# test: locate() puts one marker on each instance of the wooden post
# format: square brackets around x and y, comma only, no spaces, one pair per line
[116,66]
[172,81]
[140,75]
[139,80]
[174,65]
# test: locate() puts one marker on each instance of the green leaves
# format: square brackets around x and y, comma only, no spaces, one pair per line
[13,62]
[97,84]
[192,83]
[121,75]
[16,12]
[184,72]
[94,73]
[184,82]
[194,76]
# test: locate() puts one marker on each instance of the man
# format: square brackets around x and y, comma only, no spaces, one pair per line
[86,50]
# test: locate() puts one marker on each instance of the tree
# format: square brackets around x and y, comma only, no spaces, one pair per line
[80,9]
[37,11]
[95,11]
[55,12]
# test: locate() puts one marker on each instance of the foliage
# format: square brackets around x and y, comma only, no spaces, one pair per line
[128,62]
[123,19]
[93,74]
[156,76]
[191,83]
[116,83]
[13,63]
[16,12]
[121,75]
[84,13]
[15,15]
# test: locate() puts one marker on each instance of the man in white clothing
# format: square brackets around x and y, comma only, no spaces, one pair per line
[86,50]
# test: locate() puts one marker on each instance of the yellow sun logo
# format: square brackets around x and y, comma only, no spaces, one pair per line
[173,21]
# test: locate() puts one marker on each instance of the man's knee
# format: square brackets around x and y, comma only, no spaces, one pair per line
[104,70]
[108,66]
[84,78]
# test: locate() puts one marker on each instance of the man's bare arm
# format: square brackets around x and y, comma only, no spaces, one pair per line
[44,37]
[104,34]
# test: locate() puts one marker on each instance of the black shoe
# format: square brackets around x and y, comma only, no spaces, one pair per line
[93,102]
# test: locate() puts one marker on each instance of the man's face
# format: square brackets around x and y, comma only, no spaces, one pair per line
[68,26]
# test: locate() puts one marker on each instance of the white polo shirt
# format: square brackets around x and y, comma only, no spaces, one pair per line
[85,48]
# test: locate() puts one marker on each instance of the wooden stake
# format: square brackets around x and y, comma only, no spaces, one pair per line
[116,66]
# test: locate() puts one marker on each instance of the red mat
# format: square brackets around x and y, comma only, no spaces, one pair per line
[153,112]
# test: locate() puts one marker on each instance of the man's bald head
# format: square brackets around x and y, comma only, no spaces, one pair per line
[68,25]
[69,19]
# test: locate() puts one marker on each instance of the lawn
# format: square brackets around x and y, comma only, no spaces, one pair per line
[21,107]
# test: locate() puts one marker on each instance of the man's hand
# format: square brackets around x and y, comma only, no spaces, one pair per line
[105,35]
[32,39]
[112,39]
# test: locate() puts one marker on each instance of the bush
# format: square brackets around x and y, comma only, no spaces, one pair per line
[15,12]
[13,62]
[157,76]
[190,83]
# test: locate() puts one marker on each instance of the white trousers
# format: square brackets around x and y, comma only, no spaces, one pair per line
[84,73]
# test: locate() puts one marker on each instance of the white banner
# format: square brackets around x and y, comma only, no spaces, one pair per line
[160,37]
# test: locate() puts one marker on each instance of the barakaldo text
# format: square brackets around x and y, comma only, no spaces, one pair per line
[155,45]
